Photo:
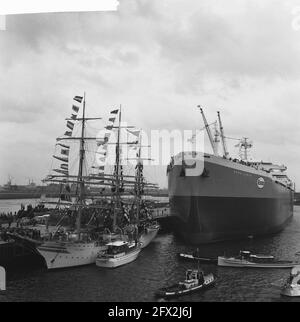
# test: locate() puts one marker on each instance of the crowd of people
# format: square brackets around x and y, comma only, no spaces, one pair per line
[98,216]
[30,212]
[7,234]
[7,218]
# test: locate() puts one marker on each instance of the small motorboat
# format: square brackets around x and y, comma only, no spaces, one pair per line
[248,260]
[292,286]
[195,280]
[118,253]
[195,257]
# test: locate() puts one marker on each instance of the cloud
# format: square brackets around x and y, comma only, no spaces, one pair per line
[159,59]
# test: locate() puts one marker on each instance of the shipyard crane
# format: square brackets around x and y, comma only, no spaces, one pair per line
[213,145]
[223,136]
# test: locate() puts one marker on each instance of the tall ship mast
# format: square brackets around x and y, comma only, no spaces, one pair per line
[137,216]
[147,228]
[232,198]
[117,173]
[80,172]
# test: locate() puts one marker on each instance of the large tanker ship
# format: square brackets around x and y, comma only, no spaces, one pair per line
[231,198]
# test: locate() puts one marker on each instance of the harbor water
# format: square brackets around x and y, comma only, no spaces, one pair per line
[159,266]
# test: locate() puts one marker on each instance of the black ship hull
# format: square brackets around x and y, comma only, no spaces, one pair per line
[214,219]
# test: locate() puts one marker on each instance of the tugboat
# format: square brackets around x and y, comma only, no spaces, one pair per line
[118,253]
[292,286]
[195,280]
[246,259]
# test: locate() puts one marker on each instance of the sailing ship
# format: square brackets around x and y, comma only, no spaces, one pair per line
[138,230]
[74,247]
[136,222]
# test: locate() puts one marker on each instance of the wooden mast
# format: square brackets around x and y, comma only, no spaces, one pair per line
[80,172]
[117,207]
[138,183]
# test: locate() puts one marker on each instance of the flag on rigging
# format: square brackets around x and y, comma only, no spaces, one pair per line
[114,112]
[68,133]
[64,166]
[135,133]
[103,141]
[112,119]
[78,99]
[64,146]
[61,171]
[74,117]
[75,108]
[64,152]
[66,160]
[70,125]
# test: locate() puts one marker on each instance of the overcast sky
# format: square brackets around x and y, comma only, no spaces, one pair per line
[159,59]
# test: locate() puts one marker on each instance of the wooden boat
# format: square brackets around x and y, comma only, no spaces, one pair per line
[248,260]
[118,253]
[292,286]
[193,257]
[195,281]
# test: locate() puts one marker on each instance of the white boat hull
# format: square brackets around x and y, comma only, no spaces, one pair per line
[291,291]
[234,262]
[118,261]
[69,254]
[148,235]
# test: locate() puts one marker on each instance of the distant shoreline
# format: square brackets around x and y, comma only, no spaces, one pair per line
[13,196]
